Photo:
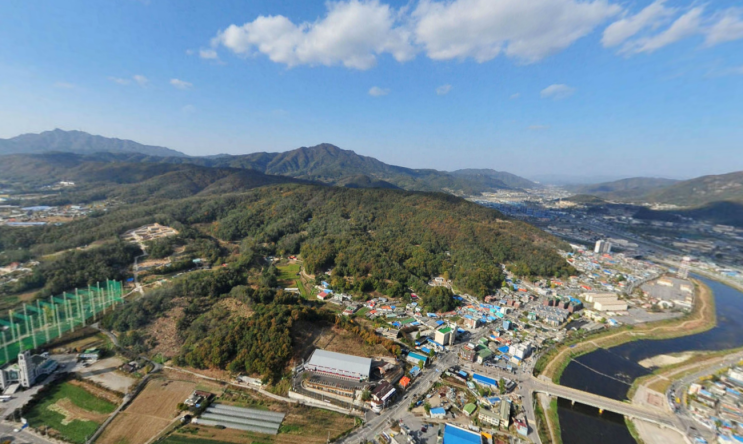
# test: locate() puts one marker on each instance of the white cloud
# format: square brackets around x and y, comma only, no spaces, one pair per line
[528,30]
[728,28]
[181,84]
[208,54]
[120,81]
[650,17]
[353,33]
[141,80]
[138,79]
[188,109]
[443,90]
[557,92]
[685,26]
[64,85]
[376,91]
[515,96]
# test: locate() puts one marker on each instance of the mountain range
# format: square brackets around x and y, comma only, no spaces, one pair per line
[331,165]
[324,163]
[77,142]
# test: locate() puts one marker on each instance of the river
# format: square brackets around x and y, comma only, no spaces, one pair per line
[583,425]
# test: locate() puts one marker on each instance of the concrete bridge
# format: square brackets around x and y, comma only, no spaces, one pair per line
[632,411]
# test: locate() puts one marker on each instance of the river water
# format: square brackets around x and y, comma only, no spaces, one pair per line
[610,372]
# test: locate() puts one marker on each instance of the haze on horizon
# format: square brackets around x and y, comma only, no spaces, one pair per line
[554,87]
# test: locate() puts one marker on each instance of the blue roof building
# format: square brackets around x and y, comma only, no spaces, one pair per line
[458,435]
[484,380]
[438,412]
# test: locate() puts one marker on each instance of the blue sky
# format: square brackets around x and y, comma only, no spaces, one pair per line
[599,88]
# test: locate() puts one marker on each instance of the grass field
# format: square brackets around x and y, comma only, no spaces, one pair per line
[288,273]
[71,411]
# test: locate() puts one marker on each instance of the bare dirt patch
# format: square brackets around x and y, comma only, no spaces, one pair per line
[160,398]
[105,372]
[237,308]
[164,330]
[131,428]
[150,412]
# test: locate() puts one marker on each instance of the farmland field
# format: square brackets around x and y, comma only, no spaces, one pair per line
[71,411]
[150,412]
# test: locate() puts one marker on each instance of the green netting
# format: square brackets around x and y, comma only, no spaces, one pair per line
[50,318]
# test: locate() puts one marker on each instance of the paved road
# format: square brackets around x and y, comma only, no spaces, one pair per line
[379,423]
[635,411]
[6,432]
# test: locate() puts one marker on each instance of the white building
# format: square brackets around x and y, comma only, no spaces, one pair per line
[615,305]
[28,369]
[602,246]
[521,351]
[339,365]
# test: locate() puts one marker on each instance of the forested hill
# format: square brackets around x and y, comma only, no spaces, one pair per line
[385,239]
[132,182]
[77,142]
[329,164]
[235,315]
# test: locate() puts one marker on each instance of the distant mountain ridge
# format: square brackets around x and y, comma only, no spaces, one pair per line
[78,142]
[623,189]
[701,190]
[330,164]
[325,163]
[510,180]
[714,198]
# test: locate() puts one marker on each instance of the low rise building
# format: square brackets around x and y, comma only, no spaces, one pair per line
[490,417]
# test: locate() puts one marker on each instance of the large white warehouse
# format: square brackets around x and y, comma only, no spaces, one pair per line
[339,365]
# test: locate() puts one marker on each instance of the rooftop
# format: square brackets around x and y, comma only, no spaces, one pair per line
[457,435]
[349,363]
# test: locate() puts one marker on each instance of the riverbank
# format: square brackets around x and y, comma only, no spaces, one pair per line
[702,318]
[548,422]
[708,274]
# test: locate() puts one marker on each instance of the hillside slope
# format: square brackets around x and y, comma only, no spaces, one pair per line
[78,142]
